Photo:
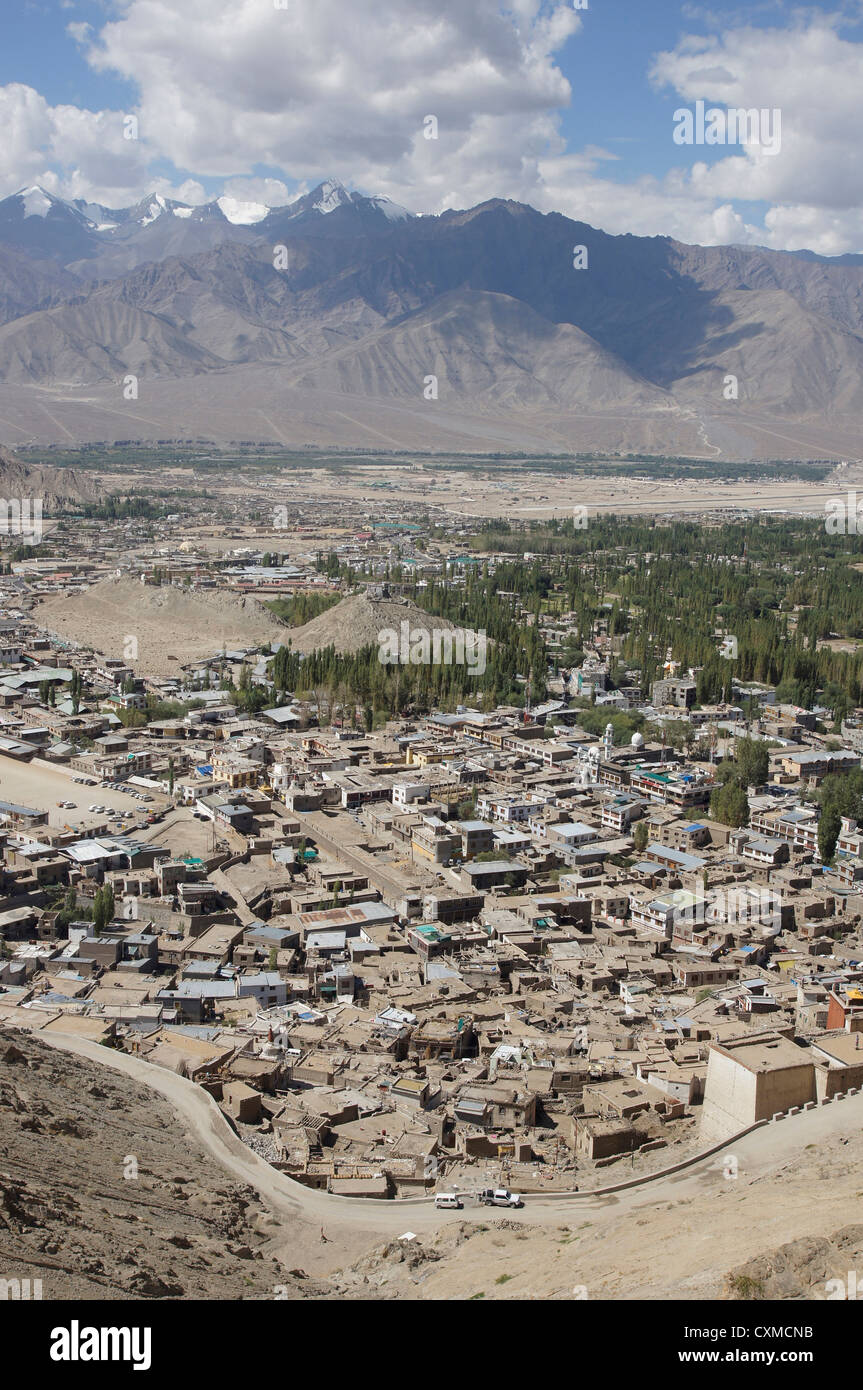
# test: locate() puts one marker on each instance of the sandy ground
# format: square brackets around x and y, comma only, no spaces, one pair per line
[170,627]
[533,494]
[528,494]
[42,788]
[182,834]
[674,1237]
[358,621]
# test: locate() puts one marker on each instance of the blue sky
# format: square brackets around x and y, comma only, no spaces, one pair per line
[571,110]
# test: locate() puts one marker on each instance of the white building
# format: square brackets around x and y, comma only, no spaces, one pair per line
[406,792]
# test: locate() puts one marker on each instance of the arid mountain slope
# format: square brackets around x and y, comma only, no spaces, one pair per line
[56,487]
[312,327]
[71,1132]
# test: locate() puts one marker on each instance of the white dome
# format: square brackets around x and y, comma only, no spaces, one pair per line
[637,740]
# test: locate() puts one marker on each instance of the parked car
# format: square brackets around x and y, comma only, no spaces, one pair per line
[500,1197]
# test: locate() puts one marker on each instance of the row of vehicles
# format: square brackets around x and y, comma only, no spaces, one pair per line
[488,1197]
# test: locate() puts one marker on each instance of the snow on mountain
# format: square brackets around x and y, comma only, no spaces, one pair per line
[333,195]
[93,239]
[394,212]
[37,203]
[326,198]
[242,214]
[157,206]
[151,208]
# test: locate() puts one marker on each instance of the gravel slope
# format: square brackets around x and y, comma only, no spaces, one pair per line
[358,621]
[166,621]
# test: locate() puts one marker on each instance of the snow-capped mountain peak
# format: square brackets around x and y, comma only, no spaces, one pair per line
[151,208]
[37,203]
[92,236]
[331,195]
[156,208]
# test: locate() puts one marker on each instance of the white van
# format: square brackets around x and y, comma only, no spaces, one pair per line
[447,1199]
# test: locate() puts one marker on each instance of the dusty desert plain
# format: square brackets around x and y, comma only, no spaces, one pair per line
[516,491]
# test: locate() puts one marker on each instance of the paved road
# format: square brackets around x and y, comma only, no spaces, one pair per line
[758,1154]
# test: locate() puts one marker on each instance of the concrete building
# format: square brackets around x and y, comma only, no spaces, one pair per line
[753,1078]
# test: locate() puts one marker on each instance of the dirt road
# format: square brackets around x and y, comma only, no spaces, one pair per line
[757,1154]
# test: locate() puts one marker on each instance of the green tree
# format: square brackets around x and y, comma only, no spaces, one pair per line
[103,908]
[840,794]
[76,686]
[828,833]
[729,804]
[753,761]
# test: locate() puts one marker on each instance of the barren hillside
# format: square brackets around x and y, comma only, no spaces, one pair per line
[70,1214]
[54,486]
[358,622]
[171,625]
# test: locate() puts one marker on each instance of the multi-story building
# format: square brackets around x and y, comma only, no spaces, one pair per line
[679,694]
[798,825]
[672,788]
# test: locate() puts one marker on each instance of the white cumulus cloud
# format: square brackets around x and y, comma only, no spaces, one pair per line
[259,103]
